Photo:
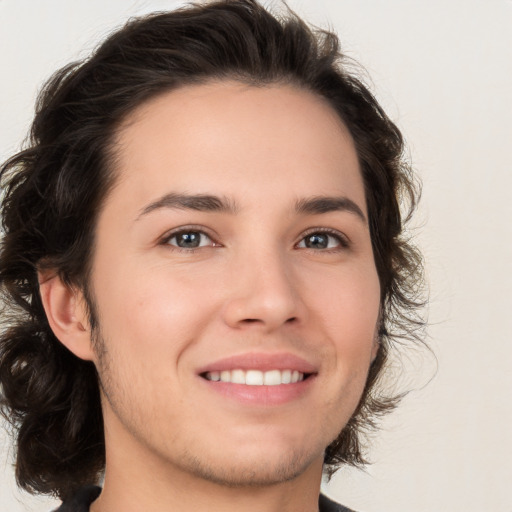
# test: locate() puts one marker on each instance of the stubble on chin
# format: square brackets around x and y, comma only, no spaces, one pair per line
[249,474]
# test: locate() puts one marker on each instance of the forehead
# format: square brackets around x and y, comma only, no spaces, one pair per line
[233,139]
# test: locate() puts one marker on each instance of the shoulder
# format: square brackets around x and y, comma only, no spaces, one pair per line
[81,501]
[327,505]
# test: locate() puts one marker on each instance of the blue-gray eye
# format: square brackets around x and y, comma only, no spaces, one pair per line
[320,241]
[189,240]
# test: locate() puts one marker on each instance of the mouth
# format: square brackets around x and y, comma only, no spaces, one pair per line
[260,379]
[257,377]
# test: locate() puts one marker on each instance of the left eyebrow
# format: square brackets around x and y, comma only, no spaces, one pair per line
[325,204]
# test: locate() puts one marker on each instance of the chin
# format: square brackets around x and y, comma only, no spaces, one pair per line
[263,472]
[256,462]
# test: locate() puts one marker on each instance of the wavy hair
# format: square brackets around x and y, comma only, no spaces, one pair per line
[53,189]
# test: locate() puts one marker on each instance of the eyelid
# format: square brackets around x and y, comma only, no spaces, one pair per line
[164,240]
[343,239]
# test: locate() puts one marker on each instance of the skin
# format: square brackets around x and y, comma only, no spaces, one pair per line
[255,285]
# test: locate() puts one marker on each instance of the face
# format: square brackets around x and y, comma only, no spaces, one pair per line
[235,284]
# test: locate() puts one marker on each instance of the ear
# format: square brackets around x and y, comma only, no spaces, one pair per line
[67,314]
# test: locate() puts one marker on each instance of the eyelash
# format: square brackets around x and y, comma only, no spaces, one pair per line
[343,241]
[189,229]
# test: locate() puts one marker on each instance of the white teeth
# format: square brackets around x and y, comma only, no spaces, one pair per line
[257,377]
[238,377]
[272,378]
[254,378]
[214,376]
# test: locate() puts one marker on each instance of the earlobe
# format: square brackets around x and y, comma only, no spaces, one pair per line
[67,314]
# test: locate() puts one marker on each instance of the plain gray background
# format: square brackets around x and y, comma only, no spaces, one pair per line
[443,71]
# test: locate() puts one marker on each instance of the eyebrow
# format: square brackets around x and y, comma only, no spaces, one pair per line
[325,204]
[209,203]
[199,202]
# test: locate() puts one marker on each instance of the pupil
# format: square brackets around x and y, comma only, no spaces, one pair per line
[316,241]
[189,240]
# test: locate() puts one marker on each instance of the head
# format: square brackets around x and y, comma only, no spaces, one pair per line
[234,62]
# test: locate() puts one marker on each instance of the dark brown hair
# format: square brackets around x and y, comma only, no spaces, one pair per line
[53,189]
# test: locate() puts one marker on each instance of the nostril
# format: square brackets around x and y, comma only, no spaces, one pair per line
[257,320]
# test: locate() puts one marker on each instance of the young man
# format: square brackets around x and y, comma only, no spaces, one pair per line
[203,268]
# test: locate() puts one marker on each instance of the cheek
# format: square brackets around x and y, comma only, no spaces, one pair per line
[156,311]
[348,301]
[346,310]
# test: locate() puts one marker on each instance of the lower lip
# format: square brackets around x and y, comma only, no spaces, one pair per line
[261,395]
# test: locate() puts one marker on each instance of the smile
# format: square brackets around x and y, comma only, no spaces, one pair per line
[256,377]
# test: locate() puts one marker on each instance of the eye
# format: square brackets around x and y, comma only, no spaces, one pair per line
[318,240]
[189,239]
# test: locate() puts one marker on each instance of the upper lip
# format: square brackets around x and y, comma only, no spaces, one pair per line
[262,362]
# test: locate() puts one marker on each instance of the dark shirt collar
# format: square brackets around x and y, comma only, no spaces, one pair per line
[82,500]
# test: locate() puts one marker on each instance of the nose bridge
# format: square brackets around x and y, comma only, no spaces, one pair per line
[263,291]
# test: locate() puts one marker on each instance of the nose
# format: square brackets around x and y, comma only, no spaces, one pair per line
[263,294]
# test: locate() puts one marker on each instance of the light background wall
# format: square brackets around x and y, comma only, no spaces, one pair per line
[443,70]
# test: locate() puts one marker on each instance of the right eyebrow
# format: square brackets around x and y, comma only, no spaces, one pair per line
[198,202]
